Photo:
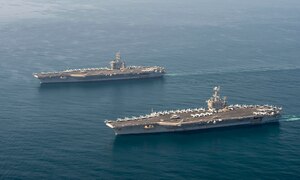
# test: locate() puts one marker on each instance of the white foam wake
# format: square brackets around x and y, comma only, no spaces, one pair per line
[231,71]
[289,118]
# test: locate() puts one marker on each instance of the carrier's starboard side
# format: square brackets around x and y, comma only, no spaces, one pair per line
[117,71]
[218,114]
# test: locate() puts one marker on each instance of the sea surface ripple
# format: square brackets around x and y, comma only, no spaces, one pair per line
[249,48]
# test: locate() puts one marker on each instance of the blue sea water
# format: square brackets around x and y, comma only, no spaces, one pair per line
[250,48]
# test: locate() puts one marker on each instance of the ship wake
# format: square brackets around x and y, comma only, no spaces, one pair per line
[287,118]
[218,71]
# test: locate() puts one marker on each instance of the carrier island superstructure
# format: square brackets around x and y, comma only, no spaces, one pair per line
[217,114]
[117,71]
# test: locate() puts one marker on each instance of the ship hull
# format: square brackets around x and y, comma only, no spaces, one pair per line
[140,129]
[98,78]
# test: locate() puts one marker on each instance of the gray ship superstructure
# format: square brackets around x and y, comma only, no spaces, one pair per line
[218,114]
[117,71]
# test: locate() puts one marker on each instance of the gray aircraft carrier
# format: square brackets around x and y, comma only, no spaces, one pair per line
[218,114]
[117,71]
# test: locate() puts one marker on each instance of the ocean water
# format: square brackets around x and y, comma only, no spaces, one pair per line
[250,48]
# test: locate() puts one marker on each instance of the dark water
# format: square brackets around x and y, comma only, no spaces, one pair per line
[251,49]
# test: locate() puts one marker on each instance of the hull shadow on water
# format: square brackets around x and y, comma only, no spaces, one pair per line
[204,136]
[103,84]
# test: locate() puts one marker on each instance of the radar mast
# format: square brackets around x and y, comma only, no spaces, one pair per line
[117,63]
[118,56]
[216,102]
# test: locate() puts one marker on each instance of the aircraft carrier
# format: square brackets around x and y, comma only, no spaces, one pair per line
[218,114]
[117,71]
